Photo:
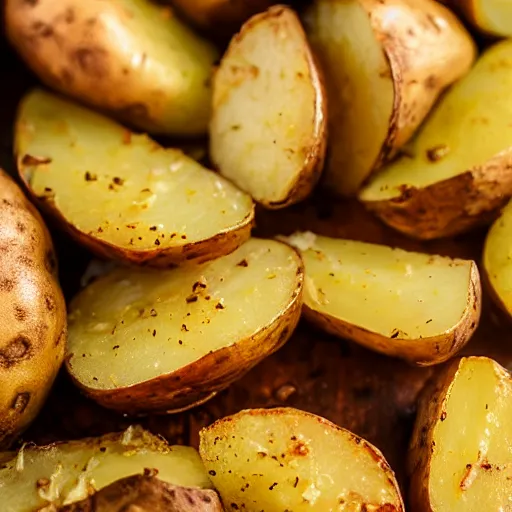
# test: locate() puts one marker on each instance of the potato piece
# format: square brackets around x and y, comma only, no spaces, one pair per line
[144,341]
[460,457]
[32,312]
[458,170]
[145,493]
[492,17]
[225,16]
[286,459]
[129,57]
[268,129]
[382,76]
[137,201]
[63,473]
[390,300]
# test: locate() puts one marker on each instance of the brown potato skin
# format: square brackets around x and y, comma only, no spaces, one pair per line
[146,493]
[428,49]
[422,351]
[33,326]
[201,380]
[453,206]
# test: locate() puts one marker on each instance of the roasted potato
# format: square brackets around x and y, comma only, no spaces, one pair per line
[459,458]
[130,57]
[146,493]
[147,341]
[121,194]
[268,127]
[458,170]
[224,16]
[32,312]
[63,473]
[492,17]
[286,459]
[388,299]
[382,77]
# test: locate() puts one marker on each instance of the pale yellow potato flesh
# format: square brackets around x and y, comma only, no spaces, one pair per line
[132,58]
[286,459]
[121,193]
[497,259]
[63,473]
[361,88]
[132,327]
[465,461]
[267,132]
[420,307]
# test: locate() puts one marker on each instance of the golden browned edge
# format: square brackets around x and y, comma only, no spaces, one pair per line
[220,244]
[31,373]
[418,77]
[422,351]
[452,206]
[223,424]
[147,493]
[200,380]
[311,171]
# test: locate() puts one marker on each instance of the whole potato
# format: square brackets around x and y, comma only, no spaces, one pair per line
[32,312]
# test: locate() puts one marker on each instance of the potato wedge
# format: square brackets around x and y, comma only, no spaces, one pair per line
[224,16]
[460,458]
[142,341]
[121,194]
[492,17]
[286,459]
[63,473]
[268,128]
[130,57]
[419,307]
[146,493]
[32,312]
[458,170]
[382,77]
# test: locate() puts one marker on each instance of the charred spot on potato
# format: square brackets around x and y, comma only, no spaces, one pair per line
[20,403]
[91,60]
[15,352]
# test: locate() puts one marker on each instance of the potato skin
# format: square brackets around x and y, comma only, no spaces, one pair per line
[146,493]
[423,351]
[33,312]
[201,380]
[104,54]
[451,206]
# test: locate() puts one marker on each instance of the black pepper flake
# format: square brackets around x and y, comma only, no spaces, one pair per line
[115,347]
[428,321]
[153,312]
[296,482]
[180,342]
[191,298]
[212,472]
[183,237]
[219,306]
[242,263]
[154,333]
[90,177]
[152,228]
[271,488]
[197,285]
[157,242]
[395,334]
[118,181]
[184,328]
[95,378]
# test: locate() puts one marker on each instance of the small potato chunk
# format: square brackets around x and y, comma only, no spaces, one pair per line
[142,341]
[492,17]
[131,58]
[121,194]
[385,63]
[63,473]
[286,459]
[458,170]
[460,458]
[32,313]
[146,493]
[419,307]
[268,129]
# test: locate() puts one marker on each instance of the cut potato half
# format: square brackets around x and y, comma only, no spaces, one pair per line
[268,128]
[460,459]
[419,307]
[492,17]
[458,170]
[131,58]
[63,473]
[142,341]
[385,63]
[286,459]
[121,194]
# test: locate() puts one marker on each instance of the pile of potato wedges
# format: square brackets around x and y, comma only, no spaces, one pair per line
[256,256]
